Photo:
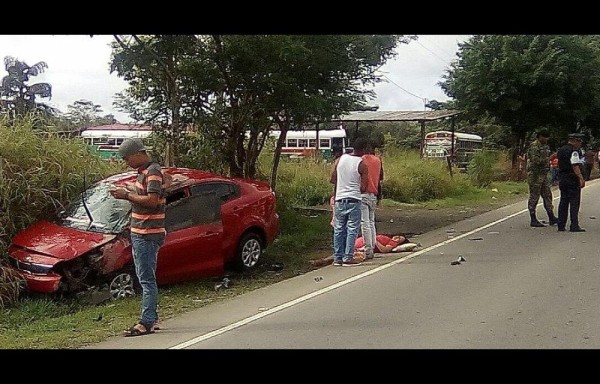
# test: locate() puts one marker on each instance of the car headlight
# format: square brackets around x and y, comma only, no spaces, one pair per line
[30,267]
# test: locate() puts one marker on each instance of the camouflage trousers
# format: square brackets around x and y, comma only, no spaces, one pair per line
[539,186]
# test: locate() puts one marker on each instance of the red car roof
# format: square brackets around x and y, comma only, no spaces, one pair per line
[183,176]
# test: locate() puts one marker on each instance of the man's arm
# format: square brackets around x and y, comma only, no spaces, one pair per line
[154,189]
[577,170]
[151,200]
[333,179]
[363,170]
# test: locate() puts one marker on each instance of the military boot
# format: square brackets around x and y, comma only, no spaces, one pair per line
[552,220]
[534,221]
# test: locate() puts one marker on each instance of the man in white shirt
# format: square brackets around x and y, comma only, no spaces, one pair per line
[350,177]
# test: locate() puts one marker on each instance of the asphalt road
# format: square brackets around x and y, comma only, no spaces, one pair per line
[520,287]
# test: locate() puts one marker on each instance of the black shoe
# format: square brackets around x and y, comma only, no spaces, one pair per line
[536,224]
[578,229]
[552,221]
[561,229]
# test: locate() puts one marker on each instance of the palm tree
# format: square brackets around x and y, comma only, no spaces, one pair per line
[18,98]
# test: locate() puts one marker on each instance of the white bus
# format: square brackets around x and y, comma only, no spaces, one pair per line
[332,142]
[105,139]
[438,144]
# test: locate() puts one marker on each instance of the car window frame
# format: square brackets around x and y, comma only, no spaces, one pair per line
[236,189]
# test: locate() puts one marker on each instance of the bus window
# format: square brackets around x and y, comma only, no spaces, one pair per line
[304,143]
[120,141]
[99,141]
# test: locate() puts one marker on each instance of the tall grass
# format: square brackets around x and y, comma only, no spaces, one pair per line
[408,178]
[39,174]
[482,168]
[304,182]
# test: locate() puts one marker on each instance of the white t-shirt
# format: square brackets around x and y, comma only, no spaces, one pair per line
[348,178]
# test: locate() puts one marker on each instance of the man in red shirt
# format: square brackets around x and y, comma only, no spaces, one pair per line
[369,200]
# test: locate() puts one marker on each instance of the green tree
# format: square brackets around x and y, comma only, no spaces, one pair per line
[17,98]
[157,69]
[526,82]
[236,88]
[84,114]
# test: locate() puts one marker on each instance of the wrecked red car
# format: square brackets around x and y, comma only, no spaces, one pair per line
[213,223]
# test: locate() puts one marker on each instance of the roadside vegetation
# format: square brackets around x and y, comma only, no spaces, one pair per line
[42,172]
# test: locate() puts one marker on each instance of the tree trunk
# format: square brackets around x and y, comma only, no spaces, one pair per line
[175,118]
[277,155]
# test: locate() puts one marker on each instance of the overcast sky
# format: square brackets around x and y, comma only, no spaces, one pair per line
[78,69]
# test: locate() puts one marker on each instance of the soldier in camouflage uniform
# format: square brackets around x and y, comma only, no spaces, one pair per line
[538,165]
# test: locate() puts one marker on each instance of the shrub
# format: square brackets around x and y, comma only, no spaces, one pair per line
[408,178]
[482,168]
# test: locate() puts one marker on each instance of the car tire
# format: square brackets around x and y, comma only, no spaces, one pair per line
[123,284]
[248,253]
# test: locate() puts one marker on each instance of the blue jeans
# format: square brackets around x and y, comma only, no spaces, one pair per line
[145,253]
[345,228]
[367,225]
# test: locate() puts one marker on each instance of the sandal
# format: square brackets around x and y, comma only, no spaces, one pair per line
[133,331]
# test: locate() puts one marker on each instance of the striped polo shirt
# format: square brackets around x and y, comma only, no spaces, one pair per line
[149,222]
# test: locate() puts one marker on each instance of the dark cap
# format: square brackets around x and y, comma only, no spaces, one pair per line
[130,147]
[577,136]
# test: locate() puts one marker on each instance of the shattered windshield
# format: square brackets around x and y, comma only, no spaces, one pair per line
[110,215]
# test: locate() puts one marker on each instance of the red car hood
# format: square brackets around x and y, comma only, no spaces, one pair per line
[60,242]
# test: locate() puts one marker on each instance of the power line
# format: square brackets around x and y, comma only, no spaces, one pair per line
[434,43]
[433,53]
[410,93]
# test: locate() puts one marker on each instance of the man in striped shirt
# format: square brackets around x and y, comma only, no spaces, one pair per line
[147,228]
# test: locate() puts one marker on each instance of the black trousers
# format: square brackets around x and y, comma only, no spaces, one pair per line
[570,199]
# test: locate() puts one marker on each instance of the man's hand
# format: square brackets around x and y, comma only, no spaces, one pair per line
[119,193]
[581,182]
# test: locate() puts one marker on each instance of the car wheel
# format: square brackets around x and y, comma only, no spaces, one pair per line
[249,251]
[123,284]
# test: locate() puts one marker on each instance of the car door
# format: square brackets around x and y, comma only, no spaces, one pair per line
[228,193]
[193,245]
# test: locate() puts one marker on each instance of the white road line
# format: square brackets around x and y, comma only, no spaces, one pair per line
[283,306]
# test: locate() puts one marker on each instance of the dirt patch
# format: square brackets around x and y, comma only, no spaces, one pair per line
[412,219]
[409,221]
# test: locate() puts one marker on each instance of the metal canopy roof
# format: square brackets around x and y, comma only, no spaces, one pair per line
[398,115]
